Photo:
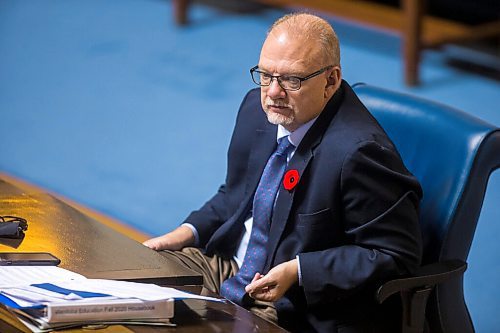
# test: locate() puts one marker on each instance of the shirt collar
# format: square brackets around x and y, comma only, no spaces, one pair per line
[296,136]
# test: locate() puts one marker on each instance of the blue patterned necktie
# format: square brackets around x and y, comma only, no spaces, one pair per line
[263,203]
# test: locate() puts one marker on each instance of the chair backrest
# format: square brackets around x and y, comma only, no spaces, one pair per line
[452,154]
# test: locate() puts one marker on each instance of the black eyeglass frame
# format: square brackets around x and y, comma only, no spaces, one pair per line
[277,77]
[22,223]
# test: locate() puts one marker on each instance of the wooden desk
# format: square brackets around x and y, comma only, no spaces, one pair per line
[84,244]
[91,244]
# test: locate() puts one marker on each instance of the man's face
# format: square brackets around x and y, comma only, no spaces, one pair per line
[283,54]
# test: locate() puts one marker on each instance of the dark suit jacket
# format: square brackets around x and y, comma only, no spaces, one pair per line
[352,217]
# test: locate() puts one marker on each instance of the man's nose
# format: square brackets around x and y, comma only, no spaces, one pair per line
[275,90]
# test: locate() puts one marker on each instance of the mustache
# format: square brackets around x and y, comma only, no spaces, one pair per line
[276,103]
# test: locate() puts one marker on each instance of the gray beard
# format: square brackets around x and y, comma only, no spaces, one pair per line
[279,119]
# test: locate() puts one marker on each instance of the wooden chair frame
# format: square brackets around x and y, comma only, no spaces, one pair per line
[418,30]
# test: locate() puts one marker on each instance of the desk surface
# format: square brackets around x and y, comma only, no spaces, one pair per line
[89,246]
[83,244]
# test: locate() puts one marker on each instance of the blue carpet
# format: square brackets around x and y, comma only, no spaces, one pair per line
[108,103]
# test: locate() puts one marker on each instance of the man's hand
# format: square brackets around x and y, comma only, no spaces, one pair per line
[174,240]
[273,285]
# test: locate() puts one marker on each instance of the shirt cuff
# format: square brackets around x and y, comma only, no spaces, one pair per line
[195,233]
[298,270]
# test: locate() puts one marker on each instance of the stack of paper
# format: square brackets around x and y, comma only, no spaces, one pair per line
[48,297]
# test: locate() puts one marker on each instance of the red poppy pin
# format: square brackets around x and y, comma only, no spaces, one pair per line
[291,179]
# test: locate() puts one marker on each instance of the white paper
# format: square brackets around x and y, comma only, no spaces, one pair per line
[124,289]
[16,282]
[11,276]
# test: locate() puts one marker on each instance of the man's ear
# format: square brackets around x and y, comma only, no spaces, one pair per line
[333,81]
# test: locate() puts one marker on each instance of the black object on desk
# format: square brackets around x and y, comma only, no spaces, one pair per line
[28,259]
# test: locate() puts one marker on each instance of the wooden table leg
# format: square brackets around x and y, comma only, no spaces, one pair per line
[180,11]
[412,41]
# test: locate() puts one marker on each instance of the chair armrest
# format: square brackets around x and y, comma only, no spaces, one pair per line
[426,276]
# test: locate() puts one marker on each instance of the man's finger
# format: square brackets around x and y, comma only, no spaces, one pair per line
[256,277]
[258,284]
[265,294]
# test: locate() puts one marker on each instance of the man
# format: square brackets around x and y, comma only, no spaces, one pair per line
[303,233]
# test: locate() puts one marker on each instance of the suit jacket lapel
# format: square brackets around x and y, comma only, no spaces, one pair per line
[284,202]
[263,146]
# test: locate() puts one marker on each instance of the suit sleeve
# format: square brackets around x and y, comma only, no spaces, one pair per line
[380,223]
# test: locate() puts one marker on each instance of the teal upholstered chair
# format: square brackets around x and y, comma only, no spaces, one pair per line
[452,154]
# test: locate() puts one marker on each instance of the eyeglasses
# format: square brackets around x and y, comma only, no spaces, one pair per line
[12,227]
[287,82]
